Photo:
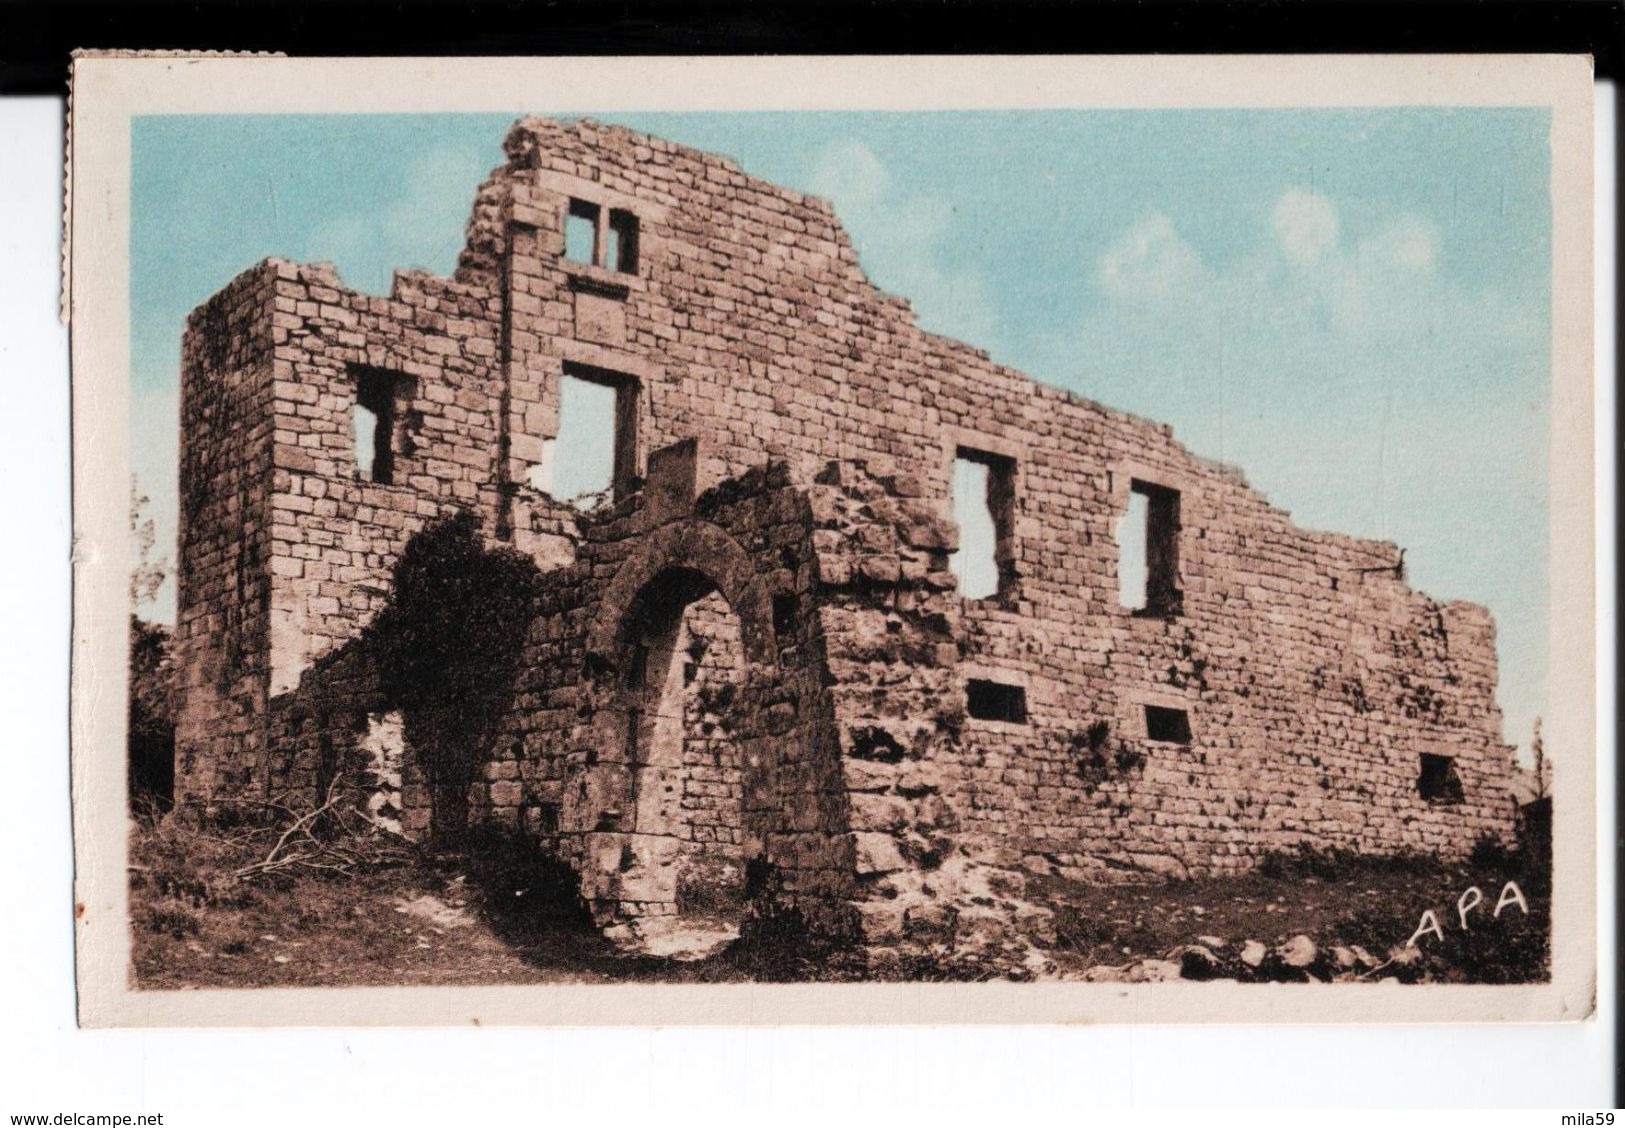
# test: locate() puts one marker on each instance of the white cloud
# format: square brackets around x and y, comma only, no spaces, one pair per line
[1305,226]
[1149,260]
[1379,314]
[900,240]
[1408,243]
[849,174]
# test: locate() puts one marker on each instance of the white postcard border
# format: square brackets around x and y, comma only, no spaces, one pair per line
[109,91]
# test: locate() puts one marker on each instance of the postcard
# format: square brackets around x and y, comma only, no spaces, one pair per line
[787,540]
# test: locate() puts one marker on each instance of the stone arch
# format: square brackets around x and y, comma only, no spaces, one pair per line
[672,833]
[697,547]
[688,702]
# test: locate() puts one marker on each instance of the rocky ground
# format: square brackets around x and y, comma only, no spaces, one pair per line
[401,918]
[1309,918]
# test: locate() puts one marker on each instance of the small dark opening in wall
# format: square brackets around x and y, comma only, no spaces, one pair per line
[996,701]
[1170,725]
[1438,781]
[152,760]
[758,874]
[622,251]
[874,743]
[581,232]
[381,424]
[784,615]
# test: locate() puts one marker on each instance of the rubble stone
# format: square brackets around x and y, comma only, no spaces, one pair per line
[1299,952]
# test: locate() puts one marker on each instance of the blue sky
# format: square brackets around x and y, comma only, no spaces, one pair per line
[1352,305]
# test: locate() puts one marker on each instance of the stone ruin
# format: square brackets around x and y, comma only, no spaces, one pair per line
[750,684]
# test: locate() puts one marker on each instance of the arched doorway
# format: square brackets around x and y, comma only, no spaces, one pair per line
[677,739]
[684,671]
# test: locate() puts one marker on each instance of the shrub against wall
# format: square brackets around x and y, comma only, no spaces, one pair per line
[151,737]
[447,647]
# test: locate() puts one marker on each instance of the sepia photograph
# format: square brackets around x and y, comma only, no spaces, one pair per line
[1073,549]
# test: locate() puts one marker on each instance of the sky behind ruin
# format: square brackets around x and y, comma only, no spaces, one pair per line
[1351,305]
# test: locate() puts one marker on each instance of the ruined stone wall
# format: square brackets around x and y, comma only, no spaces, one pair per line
[761,788]
[747,320]
[335,534]
[317,735]
[222,629]
[321,544]
[925,884]
[1298,657]
[1313,679]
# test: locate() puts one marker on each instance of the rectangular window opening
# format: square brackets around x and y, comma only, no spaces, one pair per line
[621,253]
[984,495]
[1148,551]
[1438,781]
[1172,726]
[784,616]
[996,701]
[377,423]
[595,452]
[581,232]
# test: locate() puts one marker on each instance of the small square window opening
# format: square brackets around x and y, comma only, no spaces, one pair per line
[1171,726]
[1438,781]
[603,237]
[987,700]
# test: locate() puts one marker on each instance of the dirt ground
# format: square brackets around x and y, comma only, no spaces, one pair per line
[405,921]
[1372,905]
[410,919]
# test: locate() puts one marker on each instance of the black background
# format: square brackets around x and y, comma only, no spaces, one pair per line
[37,36]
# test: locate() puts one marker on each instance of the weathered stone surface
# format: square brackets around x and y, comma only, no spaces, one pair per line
[1154,971]
[1299,952]
[1363,958]
[877,853]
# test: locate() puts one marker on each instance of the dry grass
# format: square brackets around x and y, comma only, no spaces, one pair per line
[203,914]
[206,913]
